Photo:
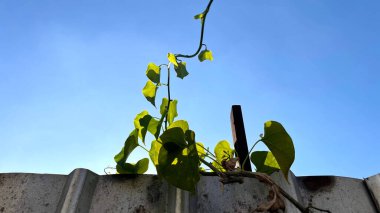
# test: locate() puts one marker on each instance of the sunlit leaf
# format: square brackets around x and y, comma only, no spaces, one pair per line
[153,72]
[181,70]
[139,168]
[164,105]
[280,144]
[265,162]
[130,144]
[180,168]
[145,122]
[205,55]
[172,59]
[149,92]
[222,152]
[154,151]
[172,113]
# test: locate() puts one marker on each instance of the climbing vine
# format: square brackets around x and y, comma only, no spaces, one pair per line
[175,152]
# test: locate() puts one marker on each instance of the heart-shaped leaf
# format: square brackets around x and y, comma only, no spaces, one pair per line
[280,144]
[180,167]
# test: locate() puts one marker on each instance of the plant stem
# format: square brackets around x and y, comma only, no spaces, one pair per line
[202,32]
[144,148]
[242,166]
[167,108]
[207,150]
[219,173]
[257,175]
[211,158]
[283,192]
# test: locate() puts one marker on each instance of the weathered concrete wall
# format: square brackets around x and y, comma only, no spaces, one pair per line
[85,191]
[338,194]
[373,185]
[30,192]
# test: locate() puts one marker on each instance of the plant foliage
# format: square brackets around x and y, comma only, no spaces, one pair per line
[174,151]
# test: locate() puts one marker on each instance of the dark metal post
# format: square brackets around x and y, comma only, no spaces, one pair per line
[238,134]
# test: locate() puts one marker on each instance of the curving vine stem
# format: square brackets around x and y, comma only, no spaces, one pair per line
[203,21]
[202,32]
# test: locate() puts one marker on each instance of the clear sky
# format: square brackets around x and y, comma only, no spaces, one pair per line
[71,74]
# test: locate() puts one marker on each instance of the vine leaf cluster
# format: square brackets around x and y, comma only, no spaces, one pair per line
[175,152]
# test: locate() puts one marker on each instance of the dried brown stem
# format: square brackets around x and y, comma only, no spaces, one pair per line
[262,178]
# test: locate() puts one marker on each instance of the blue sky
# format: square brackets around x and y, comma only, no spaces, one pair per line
[71,74]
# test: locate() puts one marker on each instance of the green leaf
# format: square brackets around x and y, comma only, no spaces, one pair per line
[265,162]
[172,109]
[154,151]
[181,124]
[181,70]
[130,144]
[164,105]
[205,55]
[145,122]
[149,92]
[201,150]
[139,168]
[199,16]
[136,122]
[172,59]
[153,72]
[173,139]
[280,144]
[222,152]
[181,167]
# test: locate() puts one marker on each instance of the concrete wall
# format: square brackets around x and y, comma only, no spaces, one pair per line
[85,191]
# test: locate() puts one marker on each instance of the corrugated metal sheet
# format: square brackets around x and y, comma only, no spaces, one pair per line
[85,191]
